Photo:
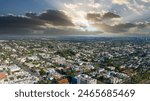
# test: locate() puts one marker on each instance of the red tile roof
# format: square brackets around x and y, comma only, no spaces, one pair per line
[2,76]
[63,81]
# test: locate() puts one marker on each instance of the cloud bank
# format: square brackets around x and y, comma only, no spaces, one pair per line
[57,22]
[31,22]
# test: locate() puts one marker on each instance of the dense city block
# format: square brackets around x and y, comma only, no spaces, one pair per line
[75,61]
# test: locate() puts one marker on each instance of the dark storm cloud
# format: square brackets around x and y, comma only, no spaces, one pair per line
[110,15]
[120,28]
[93,16]
[54,17]
[32,22]
[99,22]
[99,17]
[31,15]
[11,24]
[11,21]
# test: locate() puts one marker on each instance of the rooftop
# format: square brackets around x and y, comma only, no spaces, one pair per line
[2,76]
[63,81]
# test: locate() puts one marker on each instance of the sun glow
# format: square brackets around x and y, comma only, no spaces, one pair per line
[83,24]
[91,28]
[78,12]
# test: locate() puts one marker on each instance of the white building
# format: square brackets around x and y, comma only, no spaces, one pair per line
[85,79]
[34,58]
[14,68]
[111,68]
[115,80]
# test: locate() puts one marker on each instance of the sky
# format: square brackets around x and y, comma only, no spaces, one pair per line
[75,17]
